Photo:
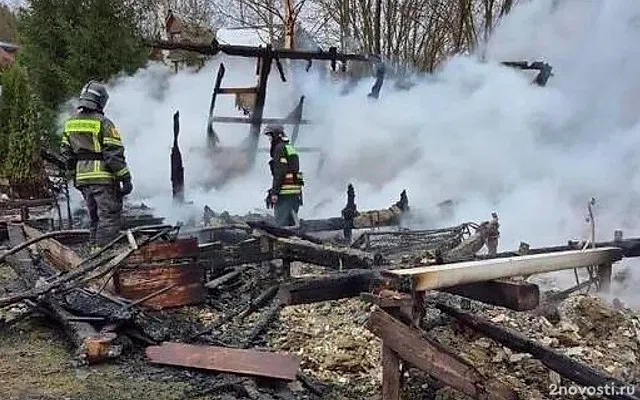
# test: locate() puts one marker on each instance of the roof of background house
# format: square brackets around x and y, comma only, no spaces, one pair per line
[9,48]
[5,57]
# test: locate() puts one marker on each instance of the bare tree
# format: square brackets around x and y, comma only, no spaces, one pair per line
[277,19]
[419,32]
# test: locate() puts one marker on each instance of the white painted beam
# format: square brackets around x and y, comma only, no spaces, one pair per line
[447,275]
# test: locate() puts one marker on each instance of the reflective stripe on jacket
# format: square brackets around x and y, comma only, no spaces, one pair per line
[290,184]
[94,143]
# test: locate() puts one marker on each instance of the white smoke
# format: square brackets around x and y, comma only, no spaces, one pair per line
[477,133]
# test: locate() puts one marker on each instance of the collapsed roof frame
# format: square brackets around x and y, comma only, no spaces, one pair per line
[544,68]
[265,58]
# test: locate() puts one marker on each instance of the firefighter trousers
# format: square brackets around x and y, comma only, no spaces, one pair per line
[286,210]
[104,204]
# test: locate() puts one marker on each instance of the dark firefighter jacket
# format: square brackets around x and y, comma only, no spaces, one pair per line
[285,169]
[92,144]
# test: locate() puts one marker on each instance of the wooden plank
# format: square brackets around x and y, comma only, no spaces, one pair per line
[434,359]
[518,296]
[57,254]
[564,365]
[604,277]
[238,361]
[390,374]
[447,275]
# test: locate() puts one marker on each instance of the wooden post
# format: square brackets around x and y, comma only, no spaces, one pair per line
[390,374]
[177,170]
[417,306]
[286,268]
[604,277]
[24,214]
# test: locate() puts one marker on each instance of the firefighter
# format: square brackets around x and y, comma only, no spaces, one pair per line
[92,147]
[285,195]
[493,233]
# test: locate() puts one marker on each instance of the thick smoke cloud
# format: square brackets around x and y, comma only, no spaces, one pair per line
[475,132]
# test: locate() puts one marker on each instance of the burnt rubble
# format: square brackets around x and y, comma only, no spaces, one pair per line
[241,309]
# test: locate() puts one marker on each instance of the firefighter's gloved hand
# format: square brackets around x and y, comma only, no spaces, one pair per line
[127,187]
[267,200]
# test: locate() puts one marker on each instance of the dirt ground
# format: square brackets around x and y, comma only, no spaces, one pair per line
[36,363]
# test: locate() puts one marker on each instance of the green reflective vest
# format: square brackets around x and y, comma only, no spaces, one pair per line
[89,138]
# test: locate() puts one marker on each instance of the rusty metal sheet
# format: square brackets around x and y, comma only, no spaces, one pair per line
[238,361]
[145,279]
[162,251]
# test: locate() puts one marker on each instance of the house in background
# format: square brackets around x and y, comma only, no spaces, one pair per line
[8,53]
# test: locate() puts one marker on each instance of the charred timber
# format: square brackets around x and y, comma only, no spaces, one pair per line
[263,324]
[268,248]
[361,220]
[518,296]
[177,170]
[435,359]
[565,366]
[630,248]
[280,231]
[327,287]
[226,278]
[13,204]
[91,346]
[215,47]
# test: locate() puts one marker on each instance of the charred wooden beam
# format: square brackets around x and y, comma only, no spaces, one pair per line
[241,120]
[91,346]
[435,359]
[177,170]
[630,248]
[214,48]
[228,277]
[301,250]
[361,220]
[519,296]
[267,247]
[564,365]
[237,90]
[15,204]
[281,231]
[263,324]
[349,212]
[262,300]
[327,287]
[238,361]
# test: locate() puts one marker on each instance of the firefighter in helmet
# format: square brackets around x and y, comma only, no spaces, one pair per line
[285,195]
[92,147]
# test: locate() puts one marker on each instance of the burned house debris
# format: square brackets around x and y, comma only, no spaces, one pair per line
[251,100]
[211,297]
[244,307]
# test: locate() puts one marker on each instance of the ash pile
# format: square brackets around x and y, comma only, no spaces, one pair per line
[241,309]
